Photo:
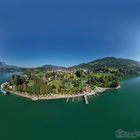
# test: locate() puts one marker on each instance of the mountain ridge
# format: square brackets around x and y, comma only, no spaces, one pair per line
[4,66]
[52,67]
[112,62]
[109,64]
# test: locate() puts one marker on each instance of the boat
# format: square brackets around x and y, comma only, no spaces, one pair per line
[3,90]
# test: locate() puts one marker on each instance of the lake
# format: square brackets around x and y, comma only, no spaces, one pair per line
[22,119]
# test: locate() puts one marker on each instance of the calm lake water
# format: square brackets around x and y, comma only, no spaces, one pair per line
[22,119]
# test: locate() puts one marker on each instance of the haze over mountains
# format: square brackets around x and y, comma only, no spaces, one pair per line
[3,65]
[52,67]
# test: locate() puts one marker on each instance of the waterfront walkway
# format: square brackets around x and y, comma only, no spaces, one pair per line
[59,96]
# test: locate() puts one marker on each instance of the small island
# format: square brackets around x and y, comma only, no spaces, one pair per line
[51,82]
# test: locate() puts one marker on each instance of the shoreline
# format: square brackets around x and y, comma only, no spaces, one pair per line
[59,96]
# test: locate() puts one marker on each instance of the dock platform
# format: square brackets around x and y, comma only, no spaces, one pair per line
[86,99]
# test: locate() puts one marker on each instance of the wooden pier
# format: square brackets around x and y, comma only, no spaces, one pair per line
[67,99]
[86,99]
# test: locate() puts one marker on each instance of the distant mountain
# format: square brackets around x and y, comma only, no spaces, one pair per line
[6,67]
[2,64]
[110,64]
[52,67]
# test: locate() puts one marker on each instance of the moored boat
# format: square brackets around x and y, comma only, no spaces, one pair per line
[2,89]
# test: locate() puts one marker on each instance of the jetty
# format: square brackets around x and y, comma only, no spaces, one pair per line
[86,99]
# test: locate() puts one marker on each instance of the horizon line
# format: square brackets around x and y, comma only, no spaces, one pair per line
[69,65]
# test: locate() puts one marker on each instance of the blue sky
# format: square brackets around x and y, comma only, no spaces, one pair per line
[68,32]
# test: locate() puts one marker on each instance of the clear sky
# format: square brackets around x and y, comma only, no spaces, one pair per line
[68,32]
